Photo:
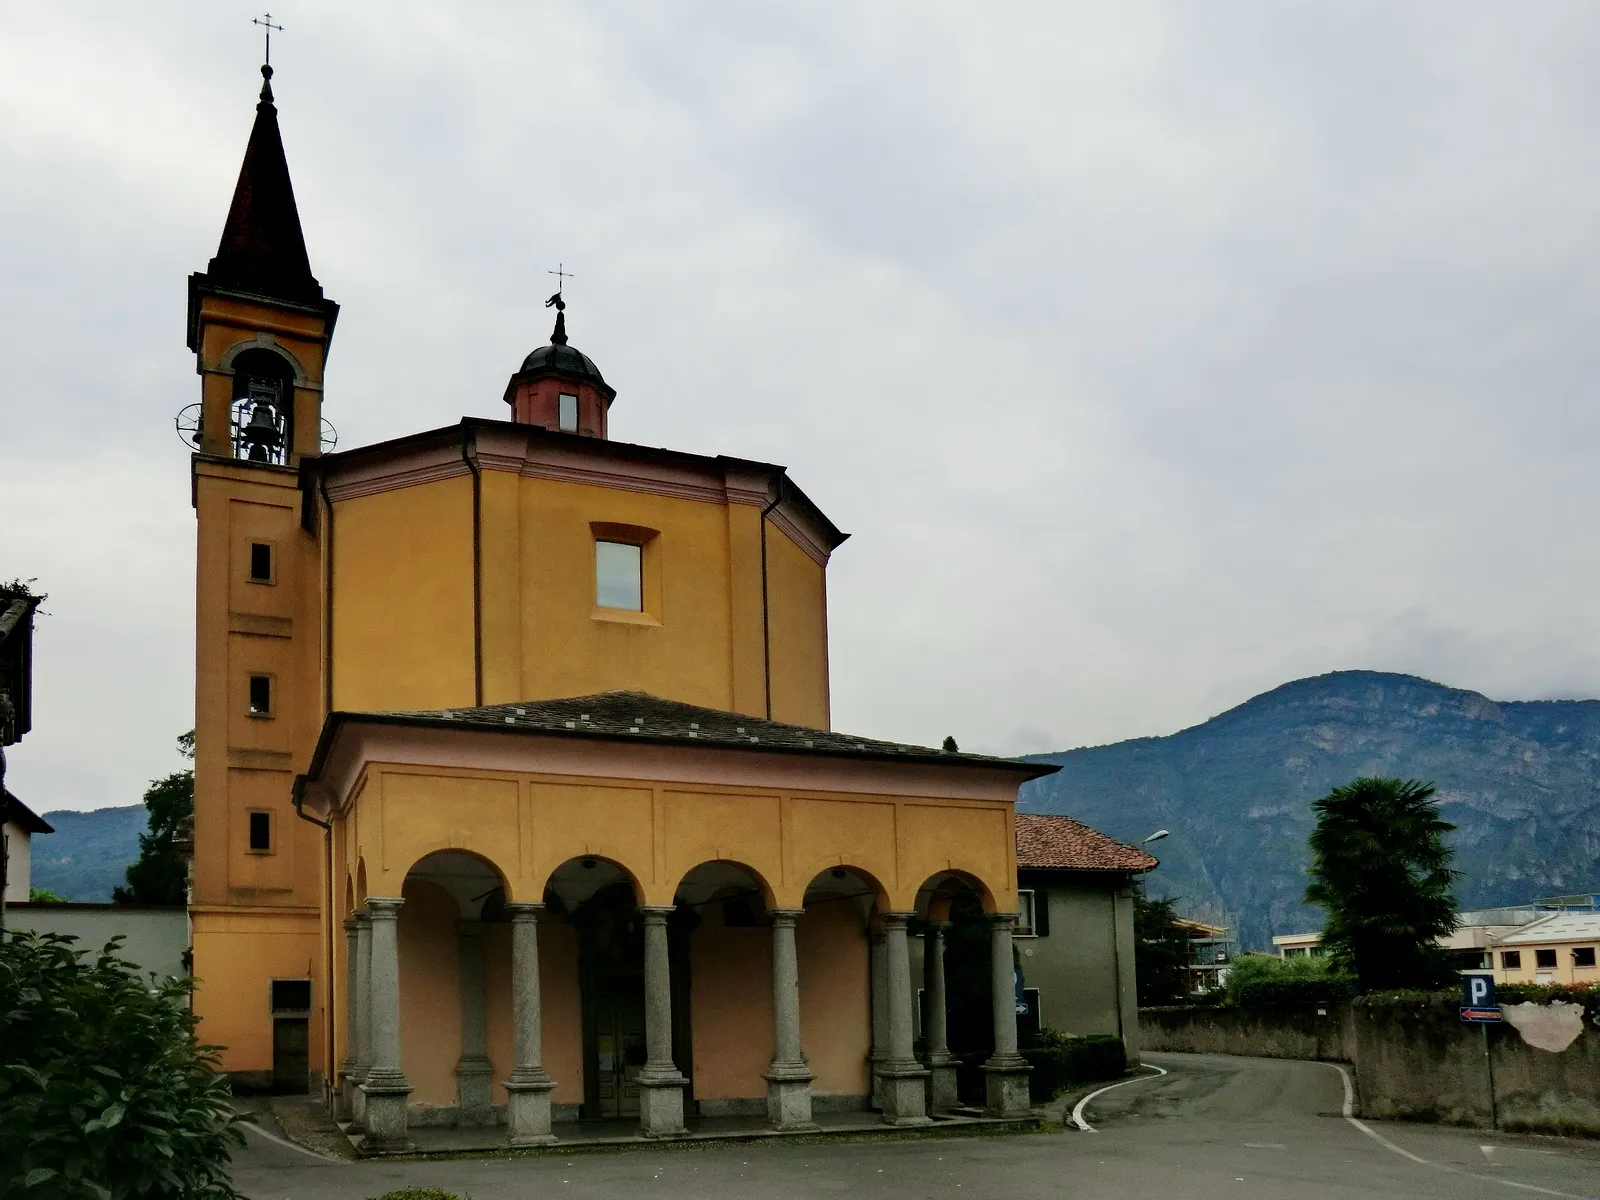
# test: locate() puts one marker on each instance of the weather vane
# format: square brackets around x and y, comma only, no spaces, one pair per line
[562,275]
[266,22]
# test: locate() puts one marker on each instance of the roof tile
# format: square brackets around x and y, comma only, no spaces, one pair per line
[1060,843]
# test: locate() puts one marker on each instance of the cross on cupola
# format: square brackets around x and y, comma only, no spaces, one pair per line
[559,387]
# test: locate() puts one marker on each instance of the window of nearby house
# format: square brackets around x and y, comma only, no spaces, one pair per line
[260,562]
[1026,914]
[619,576]
[1511,960]
[291,995]
[569,413]
[1583,956]
[1294,952]
[1544,958]
[260,833]
[260,695]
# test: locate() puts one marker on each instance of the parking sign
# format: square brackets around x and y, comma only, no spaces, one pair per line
[1478,991]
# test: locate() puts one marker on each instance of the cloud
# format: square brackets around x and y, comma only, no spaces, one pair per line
[1153,354]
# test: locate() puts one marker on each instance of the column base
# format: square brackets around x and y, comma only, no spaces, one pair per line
[341,1095]
[942,1095]
[905,1095]
[358,1101]
[528,1109]
[661,1104]
[384,1119]
[789,1097]
[474,1103]
[1006,1086]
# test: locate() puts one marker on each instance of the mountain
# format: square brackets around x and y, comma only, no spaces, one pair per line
[89,852]
[1520,780]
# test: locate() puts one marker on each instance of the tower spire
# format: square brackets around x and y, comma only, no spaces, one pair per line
[263,250]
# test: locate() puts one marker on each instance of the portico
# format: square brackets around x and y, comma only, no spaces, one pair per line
[550,924]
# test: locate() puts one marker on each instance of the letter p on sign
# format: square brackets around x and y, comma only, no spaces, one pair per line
[1480,991]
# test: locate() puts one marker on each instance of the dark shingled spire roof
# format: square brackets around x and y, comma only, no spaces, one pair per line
[263,251]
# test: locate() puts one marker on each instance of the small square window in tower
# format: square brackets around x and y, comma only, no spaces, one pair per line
[568,415]
[618,576]
[261,832]
[260,695]
[260,562]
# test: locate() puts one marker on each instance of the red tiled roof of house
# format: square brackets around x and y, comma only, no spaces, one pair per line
[1060,843]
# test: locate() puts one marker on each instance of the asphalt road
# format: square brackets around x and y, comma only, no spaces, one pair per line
[1214,1127]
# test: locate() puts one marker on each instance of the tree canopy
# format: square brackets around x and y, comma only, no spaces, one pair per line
[1160,950]
[160,874]
[1381,869]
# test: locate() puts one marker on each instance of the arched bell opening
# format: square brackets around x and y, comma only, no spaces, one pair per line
[261,412]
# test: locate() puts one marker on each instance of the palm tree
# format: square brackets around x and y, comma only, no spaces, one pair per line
[1380,867]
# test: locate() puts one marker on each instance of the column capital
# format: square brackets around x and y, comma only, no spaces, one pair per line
[351,924]
[384,908]
[895,919]
[524,910]
[656,914]
[785,916]
[936,926]
[1008,919]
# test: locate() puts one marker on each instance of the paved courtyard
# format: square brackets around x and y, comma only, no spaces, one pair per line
[1213,1127]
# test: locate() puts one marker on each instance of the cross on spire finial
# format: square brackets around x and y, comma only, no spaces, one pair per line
[562,275]
[265,21]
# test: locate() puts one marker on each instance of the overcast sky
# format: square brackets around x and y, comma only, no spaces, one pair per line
[1154,353]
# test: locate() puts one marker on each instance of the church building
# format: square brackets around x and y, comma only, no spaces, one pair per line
[516,796]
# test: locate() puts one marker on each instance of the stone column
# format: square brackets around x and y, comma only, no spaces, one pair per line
[905,1083]
[1007,1071]
[347,1064]
[788,1078]
[363,1020]
[385,1086]
[661,1084]
[474,1106]
[880,1012]
[940,1062]
[528,1088]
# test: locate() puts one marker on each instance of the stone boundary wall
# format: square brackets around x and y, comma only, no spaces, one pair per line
[1414,1060]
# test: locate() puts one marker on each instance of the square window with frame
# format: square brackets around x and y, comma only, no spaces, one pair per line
[619,575]
[1544,958]
[261,695]
[1027,913]
[261,562]
[1583,956]
[259,832]
[1511,960]
[291,995]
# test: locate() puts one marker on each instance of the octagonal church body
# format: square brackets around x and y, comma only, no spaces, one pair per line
[515,793]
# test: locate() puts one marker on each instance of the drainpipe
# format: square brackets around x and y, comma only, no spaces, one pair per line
[330,987]
[469,455]
[766,624]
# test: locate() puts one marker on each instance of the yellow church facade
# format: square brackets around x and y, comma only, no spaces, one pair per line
[517,800]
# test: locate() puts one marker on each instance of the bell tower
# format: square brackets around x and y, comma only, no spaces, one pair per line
[259,327]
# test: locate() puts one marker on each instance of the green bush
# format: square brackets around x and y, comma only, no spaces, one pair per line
[1060,1060]
[1586,994]
[1258,981]
[104,1092]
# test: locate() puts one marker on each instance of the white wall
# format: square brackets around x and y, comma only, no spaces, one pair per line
[19,873]
[155,938]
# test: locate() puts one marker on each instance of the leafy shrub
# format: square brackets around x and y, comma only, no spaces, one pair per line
[104,1092]
[1261,981]
[1059,1061]
[1586,994]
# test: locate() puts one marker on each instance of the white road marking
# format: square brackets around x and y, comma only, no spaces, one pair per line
[1077,1112]
[1349,1115]
[272,1137]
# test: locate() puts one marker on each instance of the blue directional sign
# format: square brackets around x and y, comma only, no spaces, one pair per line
[1478,1006]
